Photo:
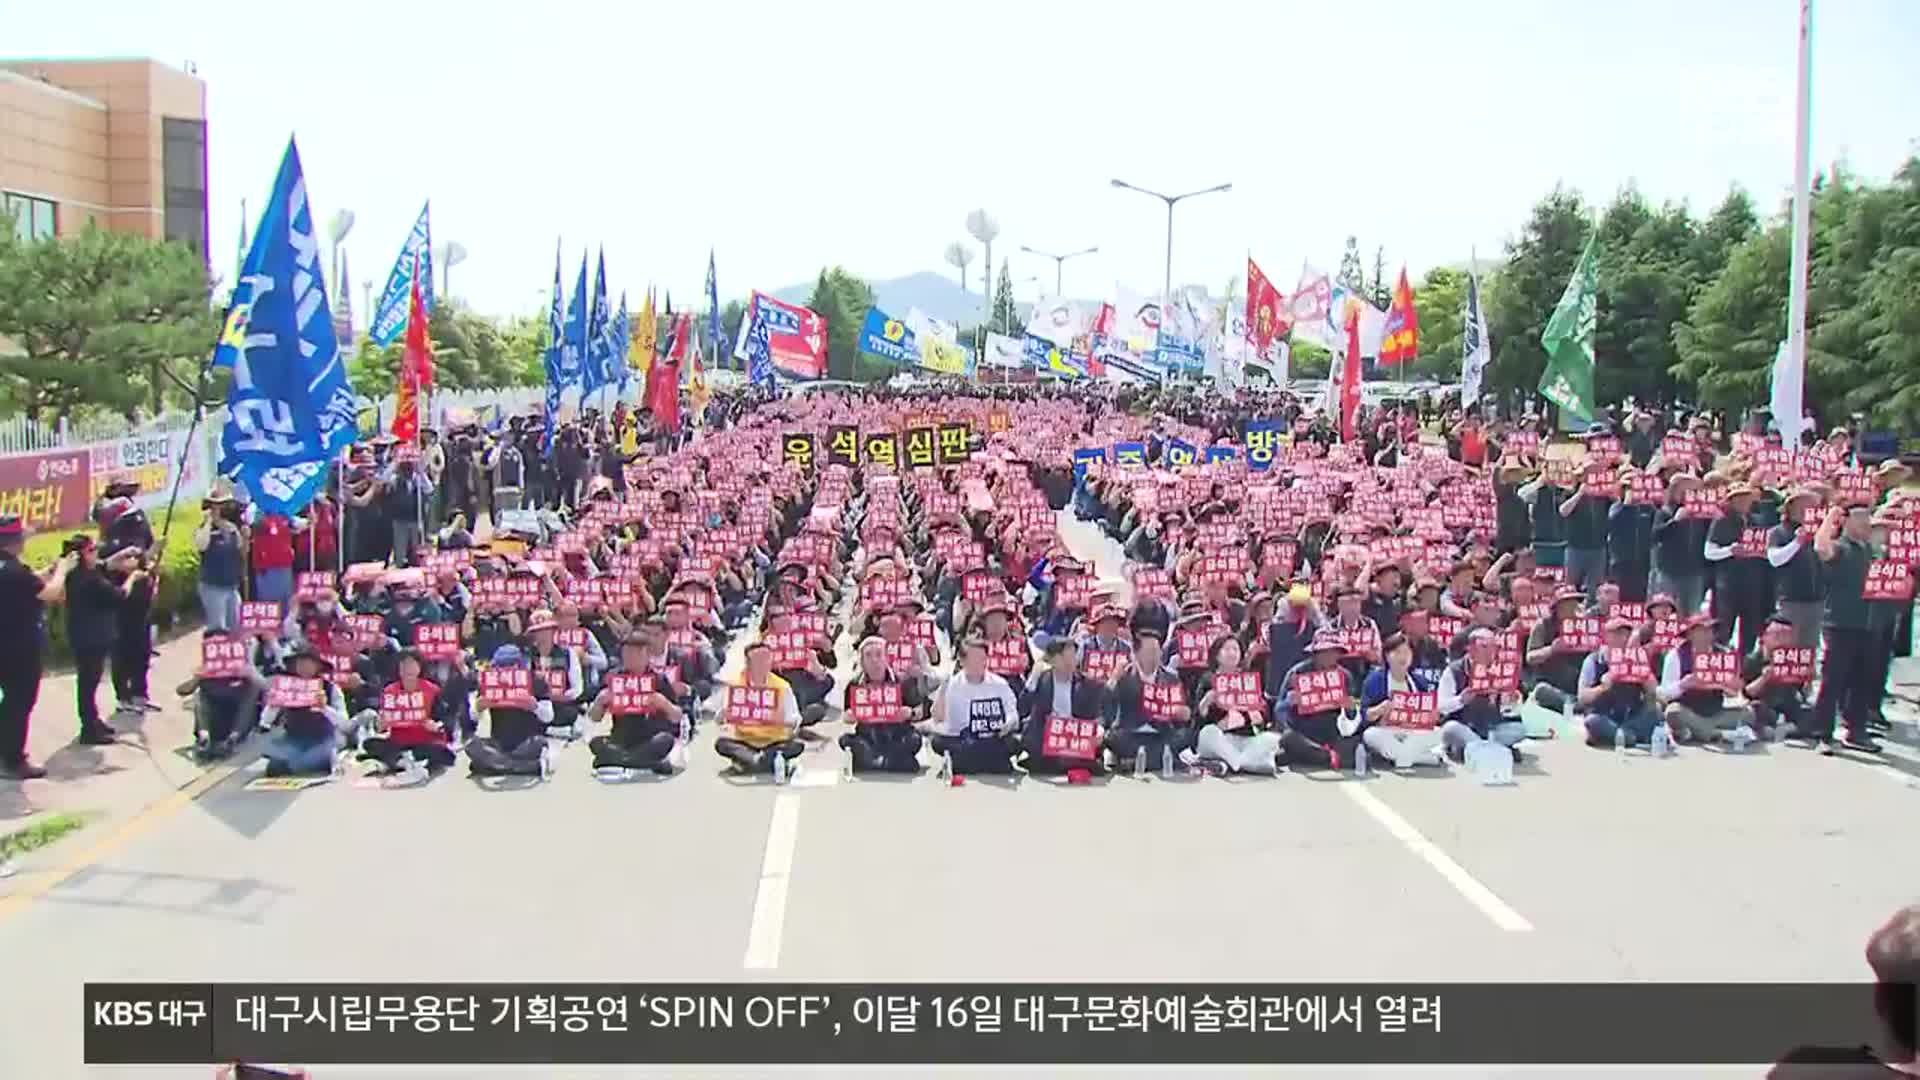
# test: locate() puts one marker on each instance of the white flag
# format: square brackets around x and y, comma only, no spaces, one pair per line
[1004,352]
[1476,351]
[1056,320]
[1789,411]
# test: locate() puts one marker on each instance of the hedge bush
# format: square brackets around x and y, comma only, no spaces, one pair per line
[178,599]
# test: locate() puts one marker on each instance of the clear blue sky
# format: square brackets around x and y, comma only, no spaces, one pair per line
[791,135]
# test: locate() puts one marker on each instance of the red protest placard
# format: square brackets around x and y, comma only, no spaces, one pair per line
[1161,700]
[1604,449]
[1102,664]
[1903,544]
[1792,665]
[312,584]
[1888,580]
[367,631]
[1071,590]
[261,617]
[1630,665]
[1854,487]
[1418,709]
[1192,643]
[343,672]
[437,641]
[1646,489]
[223,658]
[293,692]
[1010,656]
[510,688]
[1444,628]
[1602,481]
[876,703]
[1665,633]
[1679,446]
[1523,443]
[754,712]
[1152,582]
[628,692]
[902,655]
[1703,502]
[791,649]
[1580,634]
[1752,543]
[1319,691]
[1066,737]
[1239,690]
[1628,609]
[1719,669]
[398,705]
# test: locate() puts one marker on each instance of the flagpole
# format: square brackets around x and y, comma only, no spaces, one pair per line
[1797,292]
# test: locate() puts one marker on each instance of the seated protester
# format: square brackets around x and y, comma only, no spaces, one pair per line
[1149,614]
[1659,606]
[1425,598]
[1778,695]
[1469,714]
[224,706]
[644,731]
[885,746]
[701,601]
[1218,599]
[1429,656]
[411,732]
[1489,612]
[1105,637]
[456,536]
[452,598]
[1230,739]
[1296,620]
[812,680]
[569,630]
[768,747]
[1383,602]
[407,610]
[1148,717]
[516,741]
[317,623]
[1611,706]
[690,649]
[455,679]
[1062,690]
[975,717]
[1314,738]
[1008,654]
[307,739]
[913,610]
[559,666]
[1695,710]
[1553,665]
[1404,746]
[1459,600]
[1605,596]
[1359,635]
[1253,634]
[908,658]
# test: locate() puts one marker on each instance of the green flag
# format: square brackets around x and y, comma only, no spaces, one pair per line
[1568,380]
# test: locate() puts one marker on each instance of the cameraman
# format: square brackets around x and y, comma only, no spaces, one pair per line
[93,623]
[223,560]
[23,599]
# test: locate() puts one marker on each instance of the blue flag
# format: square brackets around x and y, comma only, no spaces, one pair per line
[713,302]
[290,408]
[389,316]
[599,371]
[622,338]
[573,340]
[759,348]
[556,368]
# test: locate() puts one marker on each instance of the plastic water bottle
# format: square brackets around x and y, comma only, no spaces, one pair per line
[1620,739]
[1740,738]
[1140,762]
[1360,761]
[779,768]
[1662,740]
[946,766]
[1166,762]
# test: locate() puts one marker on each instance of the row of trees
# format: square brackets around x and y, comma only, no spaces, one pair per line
[1691,308]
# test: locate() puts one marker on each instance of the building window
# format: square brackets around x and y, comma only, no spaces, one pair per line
[184,165]
[33,219]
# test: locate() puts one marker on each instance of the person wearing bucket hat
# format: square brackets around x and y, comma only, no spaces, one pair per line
[1679,552]
[304,740]
[1310,733]
[883,744]
[1796,569]
[1696,709]
[560,667]
[1553,662]
[1778,691]
[516,741]
[1612,706]
[1735,551]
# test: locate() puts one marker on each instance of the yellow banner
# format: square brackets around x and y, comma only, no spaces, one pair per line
[943,356]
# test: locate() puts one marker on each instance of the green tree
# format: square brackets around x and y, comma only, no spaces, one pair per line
[1646,283]
[1005,315]
[1351,274]
[1308,361]
[1885,313]
[1537,267]
[374,370]
[1440,299]
[843,299]
[101,320]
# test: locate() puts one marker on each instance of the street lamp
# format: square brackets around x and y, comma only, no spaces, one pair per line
[1166,287]
[452,254]
[982,227]
[1058,260]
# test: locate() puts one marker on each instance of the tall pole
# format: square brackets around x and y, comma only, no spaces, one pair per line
[1802,209]
[1166,288]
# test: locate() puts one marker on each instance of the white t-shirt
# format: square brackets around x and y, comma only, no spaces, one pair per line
[978,709]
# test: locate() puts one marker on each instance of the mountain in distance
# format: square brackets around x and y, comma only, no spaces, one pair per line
[939,295]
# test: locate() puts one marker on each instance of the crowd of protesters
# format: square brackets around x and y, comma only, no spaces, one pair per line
[1435,589]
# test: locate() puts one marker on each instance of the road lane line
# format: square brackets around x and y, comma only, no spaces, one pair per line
[1477,894]
[770,902]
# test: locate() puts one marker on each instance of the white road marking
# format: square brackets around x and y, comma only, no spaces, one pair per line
[770,903]
[1477,894]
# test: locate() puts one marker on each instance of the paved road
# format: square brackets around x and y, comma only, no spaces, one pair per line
[1768,866]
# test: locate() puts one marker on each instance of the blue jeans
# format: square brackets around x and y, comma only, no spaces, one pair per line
[275,585]
[1457,736]
[1638,721]
[300,757]
[221,606]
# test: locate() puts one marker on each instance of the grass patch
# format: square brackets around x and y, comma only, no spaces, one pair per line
[41,833]
[42,549]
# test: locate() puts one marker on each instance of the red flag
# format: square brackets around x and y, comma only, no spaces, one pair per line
[1266,318]
[1402,341]
[1350,377]
[416,366]
[663,379]
[1097,336]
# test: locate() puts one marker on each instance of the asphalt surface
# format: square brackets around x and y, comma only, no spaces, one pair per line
[1769,866]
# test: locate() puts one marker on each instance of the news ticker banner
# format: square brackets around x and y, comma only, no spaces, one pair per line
[973,1023]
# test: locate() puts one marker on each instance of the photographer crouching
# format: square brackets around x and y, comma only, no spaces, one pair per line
[23,599]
